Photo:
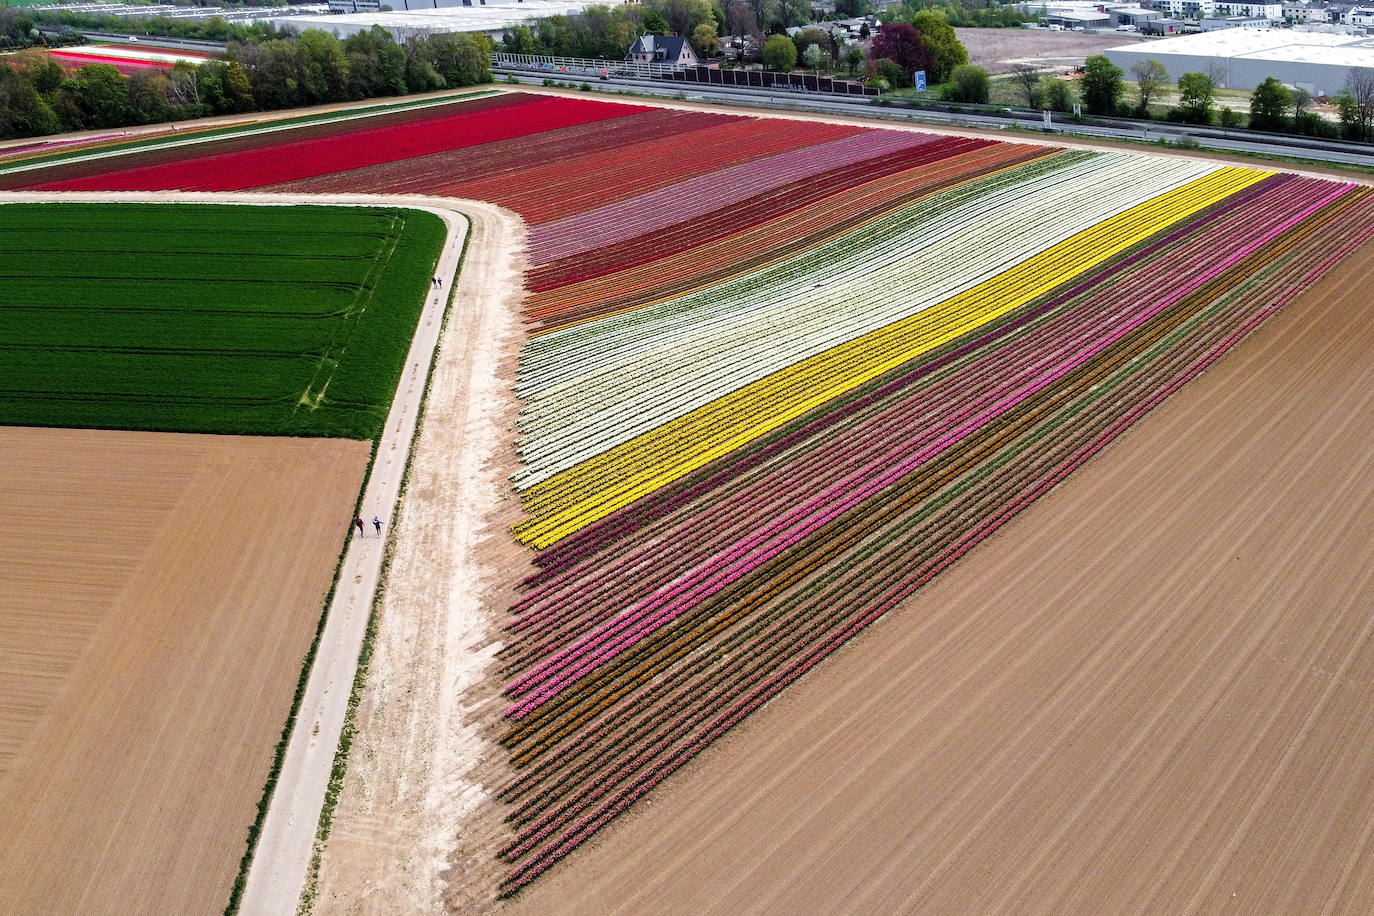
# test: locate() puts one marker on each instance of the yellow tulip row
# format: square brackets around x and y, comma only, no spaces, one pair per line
[583,494]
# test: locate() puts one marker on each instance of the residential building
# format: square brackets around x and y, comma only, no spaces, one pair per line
[1212,23]
[662,49]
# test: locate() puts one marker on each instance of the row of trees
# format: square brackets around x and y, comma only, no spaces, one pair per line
[895,53]
[915,37]
[981,14]
[38,96]
[212,29]
[1273,106]
[606,32]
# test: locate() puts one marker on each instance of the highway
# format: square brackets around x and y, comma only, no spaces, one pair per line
[1296,147]
[179,44]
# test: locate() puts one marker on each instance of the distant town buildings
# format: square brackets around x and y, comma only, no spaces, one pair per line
[1196,15]
[1319,62]
[403,18]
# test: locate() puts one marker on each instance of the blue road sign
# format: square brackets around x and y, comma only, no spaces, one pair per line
[920,81]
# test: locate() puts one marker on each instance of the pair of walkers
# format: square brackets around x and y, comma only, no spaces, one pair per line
[362,529]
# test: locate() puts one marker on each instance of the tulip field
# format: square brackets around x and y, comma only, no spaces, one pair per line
[779,374]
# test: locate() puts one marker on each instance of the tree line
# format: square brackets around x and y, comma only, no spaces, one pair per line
[1273,106]
[39,96]
[917,35]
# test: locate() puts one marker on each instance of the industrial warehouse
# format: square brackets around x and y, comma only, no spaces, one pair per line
[1319,62]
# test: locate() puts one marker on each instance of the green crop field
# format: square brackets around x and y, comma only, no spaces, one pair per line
[196,318]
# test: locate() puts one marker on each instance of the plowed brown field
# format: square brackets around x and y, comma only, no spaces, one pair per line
[1153,692]
[158,594]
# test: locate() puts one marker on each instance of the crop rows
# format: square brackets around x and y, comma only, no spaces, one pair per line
[209,319]
[781,374]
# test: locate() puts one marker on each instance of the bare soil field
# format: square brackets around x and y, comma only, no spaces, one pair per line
[998,50]
[158,593]
[1150,693]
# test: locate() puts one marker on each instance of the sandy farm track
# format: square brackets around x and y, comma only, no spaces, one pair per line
[157,595]
[1150,693]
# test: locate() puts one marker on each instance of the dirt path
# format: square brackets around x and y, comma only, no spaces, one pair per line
[412,773]
[1149,693]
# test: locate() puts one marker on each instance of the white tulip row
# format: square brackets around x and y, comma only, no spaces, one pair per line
[595,386]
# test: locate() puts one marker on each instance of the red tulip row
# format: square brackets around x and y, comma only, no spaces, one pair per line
[733,216]
[438,173]
[555,190]
[712,249]
[287,159]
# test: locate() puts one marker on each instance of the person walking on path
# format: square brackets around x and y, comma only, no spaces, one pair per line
[358,520]
[377,523]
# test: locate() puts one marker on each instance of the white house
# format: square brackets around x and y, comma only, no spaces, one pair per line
[662,49]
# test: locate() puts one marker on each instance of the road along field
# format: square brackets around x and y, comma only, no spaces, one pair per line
[159,594]
[779,376]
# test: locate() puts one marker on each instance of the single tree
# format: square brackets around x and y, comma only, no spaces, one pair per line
[101,95]
[655,24]
[149,96]
[683,16]
[1102,85]
[324,67]
[901,43]
[765,11]
[946,51]
[1216,72]
[463,60]
[1195,95]
[808,38]
[1028,78]
[854,57]
[793,12]
[1306,121]
[814,57]
[185,91]
[1058,95]
[1269,105]
[705,40]
[780,54]
[1356,104]
[969,84]
[890,72]
[1150,78]
[740,20]
[1302,100]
